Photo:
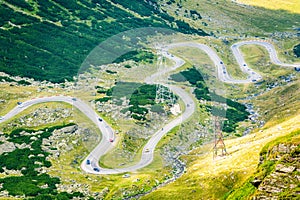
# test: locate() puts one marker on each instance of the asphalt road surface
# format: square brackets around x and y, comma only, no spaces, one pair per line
[91,162]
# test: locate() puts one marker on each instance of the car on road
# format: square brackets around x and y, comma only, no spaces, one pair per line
[254,80]
[111,140]
[126,176]
[100,120]
[88,162]
[147,150]
[96,169]
[244,65]
[20,104]
[221,62]
[74,99]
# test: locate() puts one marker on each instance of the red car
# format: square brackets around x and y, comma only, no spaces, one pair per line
[111,140]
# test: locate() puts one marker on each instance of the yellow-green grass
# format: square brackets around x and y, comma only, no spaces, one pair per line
[62,168]
[290,5]
[14,94]
[247,189]
[280,103]
[209,178]
[257,58]
[285,50]
[114,160]
[31,109]
[199,58]
[98,182]
[228,18]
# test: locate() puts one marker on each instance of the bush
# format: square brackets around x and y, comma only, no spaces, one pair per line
[297,50]
[157,108]
[191,75]
[29,184]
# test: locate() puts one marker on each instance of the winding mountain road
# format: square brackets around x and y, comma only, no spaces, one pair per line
[91,162]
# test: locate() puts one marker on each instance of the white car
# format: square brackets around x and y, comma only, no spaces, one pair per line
[126,176]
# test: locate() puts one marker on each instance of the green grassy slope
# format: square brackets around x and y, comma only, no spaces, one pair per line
[49,39]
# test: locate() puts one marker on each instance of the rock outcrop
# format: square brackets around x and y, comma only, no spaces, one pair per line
[281,179]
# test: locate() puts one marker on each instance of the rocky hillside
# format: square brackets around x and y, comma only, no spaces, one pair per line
[278,173]
[284,179]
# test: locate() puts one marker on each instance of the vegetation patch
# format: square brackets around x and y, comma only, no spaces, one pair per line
[50,39]
[192,75]
[28,160]
[140,96]
[136,56]
[297,50]
[10,80]
[234,114]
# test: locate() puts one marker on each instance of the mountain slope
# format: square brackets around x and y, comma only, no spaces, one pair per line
[291,5]
[208,178]
[49,39]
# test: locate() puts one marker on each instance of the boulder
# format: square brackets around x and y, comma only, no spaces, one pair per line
[256,182]
[69,129]
[7,147]
[282,148]
[284,169]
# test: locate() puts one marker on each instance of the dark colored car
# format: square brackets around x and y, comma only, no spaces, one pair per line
[100,120]
[96,169]
[88,162]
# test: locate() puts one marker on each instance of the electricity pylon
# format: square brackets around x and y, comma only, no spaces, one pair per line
[163,94]
[218,140]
